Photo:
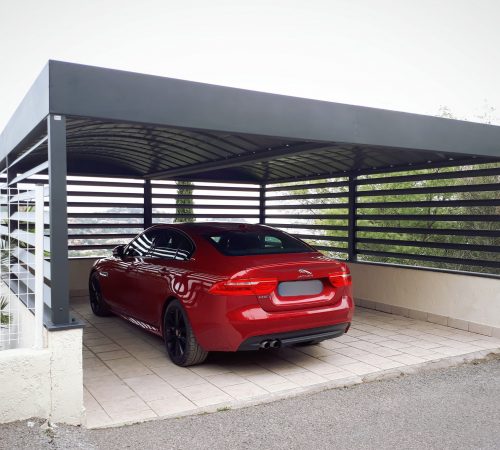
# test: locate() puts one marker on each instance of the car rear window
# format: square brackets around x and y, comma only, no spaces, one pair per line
[252,242]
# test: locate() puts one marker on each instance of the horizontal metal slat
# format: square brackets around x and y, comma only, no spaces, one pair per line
[430,244]
[321,238]
[94,194]
[117,184]
[431,217]
[207,216]
[102,236]
[308,216]
[234,206]
[23,176]
[310,226]
[430,231]
[331,249]
[99,215]
[204,197]
[29,217]
[430,190]
[432,176]
[28,279]
[307,196]
[310,206]
[28,258]
[105,205]
[440,259]
[205,187]
[103,226]
[299,187]
[29,238]
[92,247]
[430,204]
[27,195]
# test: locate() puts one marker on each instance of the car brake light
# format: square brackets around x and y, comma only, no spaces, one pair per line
[244,286]
[341,279]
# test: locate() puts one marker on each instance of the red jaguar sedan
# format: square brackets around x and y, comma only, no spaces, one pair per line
[223,287]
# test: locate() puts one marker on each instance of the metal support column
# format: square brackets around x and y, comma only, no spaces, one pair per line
[148,204]
[58,214]
[351,220]
[262,204]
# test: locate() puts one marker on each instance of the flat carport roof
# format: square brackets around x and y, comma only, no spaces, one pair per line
[133,125]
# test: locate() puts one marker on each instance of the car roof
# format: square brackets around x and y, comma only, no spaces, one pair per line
[208,227]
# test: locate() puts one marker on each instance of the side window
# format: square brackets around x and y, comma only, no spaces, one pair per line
[141,245]
[185,247]
[170,244]
[272,242]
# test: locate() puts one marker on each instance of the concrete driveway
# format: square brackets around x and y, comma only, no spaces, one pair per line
[128,377]
[450,408]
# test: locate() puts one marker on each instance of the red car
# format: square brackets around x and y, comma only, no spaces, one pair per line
[223,287]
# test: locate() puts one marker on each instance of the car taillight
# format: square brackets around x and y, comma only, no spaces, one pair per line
[340,279]
[244,286]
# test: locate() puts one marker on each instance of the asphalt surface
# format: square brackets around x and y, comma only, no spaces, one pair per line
[452,408]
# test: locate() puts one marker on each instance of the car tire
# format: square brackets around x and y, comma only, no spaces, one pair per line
[99,308]
[180,341]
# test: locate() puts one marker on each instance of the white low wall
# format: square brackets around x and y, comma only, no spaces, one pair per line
[46,383]
[462,301]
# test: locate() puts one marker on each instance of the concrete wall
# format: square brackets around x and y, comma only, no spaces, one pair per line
[461,301]
[46,383]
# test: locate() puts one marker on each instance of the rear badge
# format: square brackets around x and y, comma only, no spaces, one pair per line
[303,273]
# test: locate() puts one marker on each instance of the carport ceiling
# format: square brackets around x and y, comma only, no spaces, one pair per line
[133,125]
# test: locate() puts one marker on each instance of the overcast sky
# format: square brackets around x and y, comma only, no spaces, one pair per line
[408,55]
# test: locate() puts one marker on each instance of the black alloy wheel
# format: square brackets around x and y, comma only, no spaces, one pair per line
[180,341]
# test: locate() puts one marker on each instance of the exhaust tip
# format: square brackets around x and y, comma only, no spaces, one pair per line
[275,344]
[265,344]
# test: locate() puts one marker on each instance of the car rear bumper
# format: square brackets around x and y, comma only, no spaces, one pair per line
[295,337]
[228,326]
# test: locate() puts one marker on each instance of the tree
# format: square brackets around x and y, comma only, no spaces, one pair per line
[184,201]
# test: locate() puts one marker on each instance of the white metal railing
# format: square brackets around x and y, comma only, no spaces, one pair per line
[23,267]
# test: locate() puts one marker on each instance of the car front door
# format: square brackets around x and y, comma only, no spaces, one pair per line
[124,273]
[159,275]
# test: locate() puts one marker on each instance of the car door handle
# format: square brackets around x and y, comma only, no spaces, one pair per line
[103,274]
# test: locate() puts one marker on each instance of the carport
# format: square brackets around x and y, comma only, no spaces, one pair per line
[119,151]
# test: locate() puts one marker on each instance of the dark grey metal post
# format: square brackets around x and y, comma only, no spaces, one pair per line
[351,220]
[148,204]
[262,204]
[58,213]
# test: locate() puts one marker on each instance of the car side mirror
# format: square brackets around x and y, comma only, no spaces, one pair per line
[119,251]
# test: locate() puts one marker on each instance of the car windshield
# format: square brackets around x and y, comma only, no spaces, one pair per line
[256,242]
